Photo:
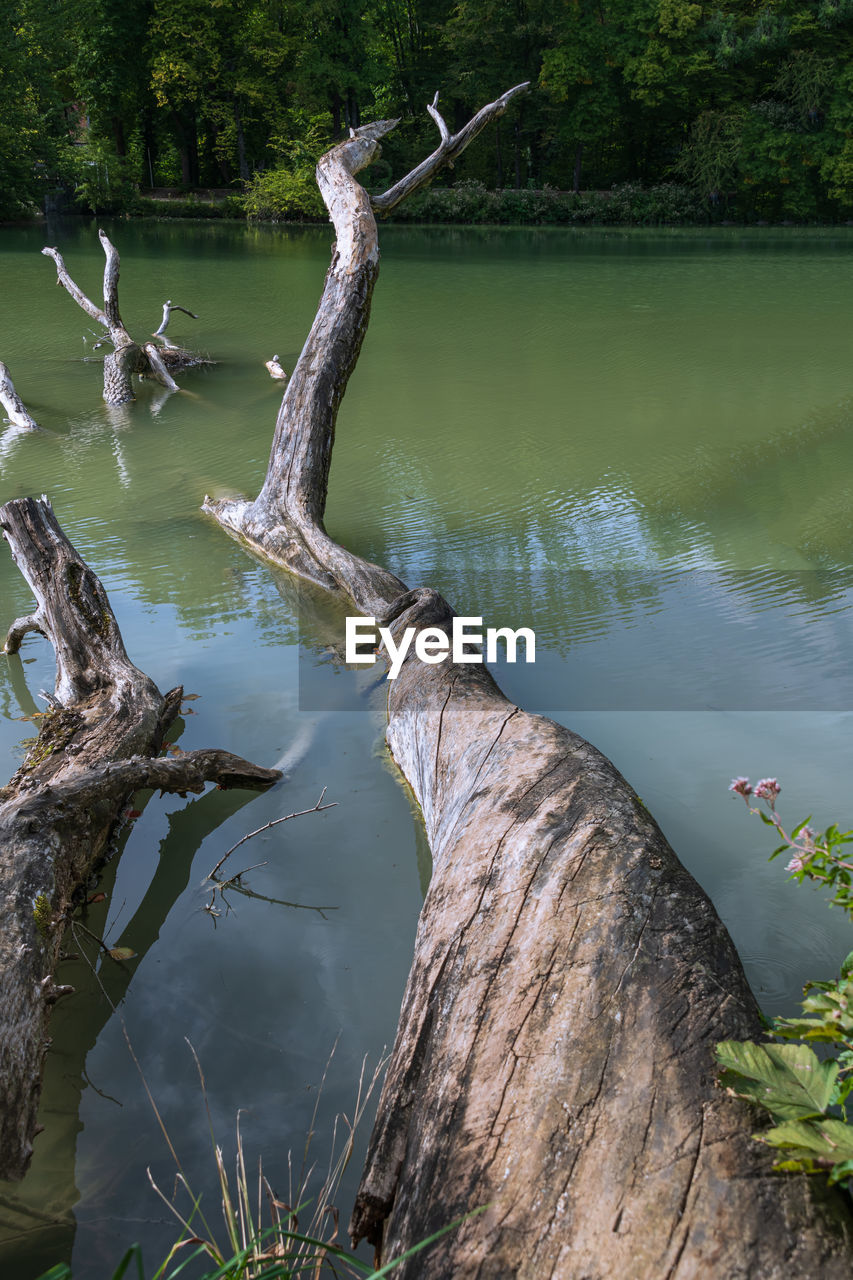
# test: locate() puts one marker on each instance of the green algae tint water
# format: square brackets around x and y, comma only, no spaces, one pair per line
[638,443]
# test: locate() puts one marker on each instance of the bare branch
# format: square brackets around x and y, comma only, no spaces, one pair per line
[189,771]
[158,368]
[432,108]
[450,147]
[15,408]
[19,628]
[64,279]
[317,808]
[111,271]
[168,308]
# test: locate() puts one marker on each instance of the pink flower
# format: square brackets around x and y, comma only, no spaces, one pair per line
[767,789]
[741,787]
[796,864]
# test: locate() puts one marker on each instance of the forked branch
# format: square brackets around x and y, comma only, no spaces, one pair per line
[82,300]
[168,308]
[450,147]
[128,357]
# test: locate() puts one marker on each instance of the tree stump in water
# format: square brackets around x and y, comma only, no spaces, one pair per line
[554,1057]
[127,357]
[97,745]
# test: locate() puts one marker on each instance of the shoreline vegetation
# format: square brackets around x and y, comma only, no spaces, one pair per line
[468,203]
[638,114]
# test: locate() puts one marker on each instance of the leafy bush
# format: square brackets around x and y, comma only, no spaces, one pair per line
[190,207]
[288,192]
[805,1096]
[285,195]
[631,204]
[101,181]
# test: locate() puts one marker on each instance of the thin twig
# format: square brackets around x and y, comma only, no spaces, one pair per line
[245,871]
[317,808]
[78,924]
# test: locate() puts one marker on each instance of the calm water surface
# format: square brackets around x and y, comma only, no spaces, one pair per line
[640,444]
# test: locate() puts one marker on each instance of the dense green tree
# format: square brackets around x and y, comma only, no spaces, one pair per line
[750,102]
[36,119]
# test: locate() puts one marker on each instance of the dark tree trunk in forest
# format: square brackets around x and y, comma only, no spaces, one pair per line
[186,136]
[353,115]
[554,1057]
[149,148]
[576,177]
[98,744]
[242,161]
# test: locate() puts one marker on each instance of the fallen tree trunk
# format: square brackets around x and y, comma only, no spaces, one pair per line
[127,357]
[554,1057]
[97,745]
[17,412]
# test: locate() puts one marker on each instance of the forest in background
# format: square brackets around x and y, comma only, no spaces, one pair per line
[654,110]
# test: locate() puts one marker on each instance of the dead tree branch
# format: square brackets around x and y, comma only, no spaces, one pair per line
[319,807]
[95,749]
[554,1056]
[127,357]
[450,147]
[16,410]
[168,308]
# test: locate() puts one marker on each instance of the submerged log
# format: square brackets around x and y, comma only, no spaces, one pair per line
[97,745]
[16,411]
[554,1058]
[128,357]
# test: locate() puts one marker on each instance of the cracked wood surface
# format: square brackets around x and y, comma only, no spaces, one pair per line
[96,746]
[554,1055]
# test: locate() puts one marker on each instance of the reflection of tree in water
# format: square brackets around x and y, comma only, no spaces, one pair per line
[37,1225]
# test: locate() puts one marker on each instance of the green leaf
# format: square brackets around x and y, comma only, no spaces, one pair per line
[807,1029]
[134,1252]
[788,1079]
[841,1171]
[828,1139]
[847,965]
[800,1164]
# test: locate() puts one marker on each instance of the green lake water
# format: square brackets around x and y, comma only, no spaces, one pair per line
[640,444]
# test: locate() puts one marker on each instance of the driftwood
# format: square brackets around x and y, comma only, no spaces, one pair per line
[554,1057]
[128,357]
[168,308]
[16,411]
[97,745]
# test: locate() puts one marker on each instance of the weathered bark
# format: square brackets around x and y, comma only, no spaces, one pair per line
[16,411]
[554,1058]
[127,357]
[97,746]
